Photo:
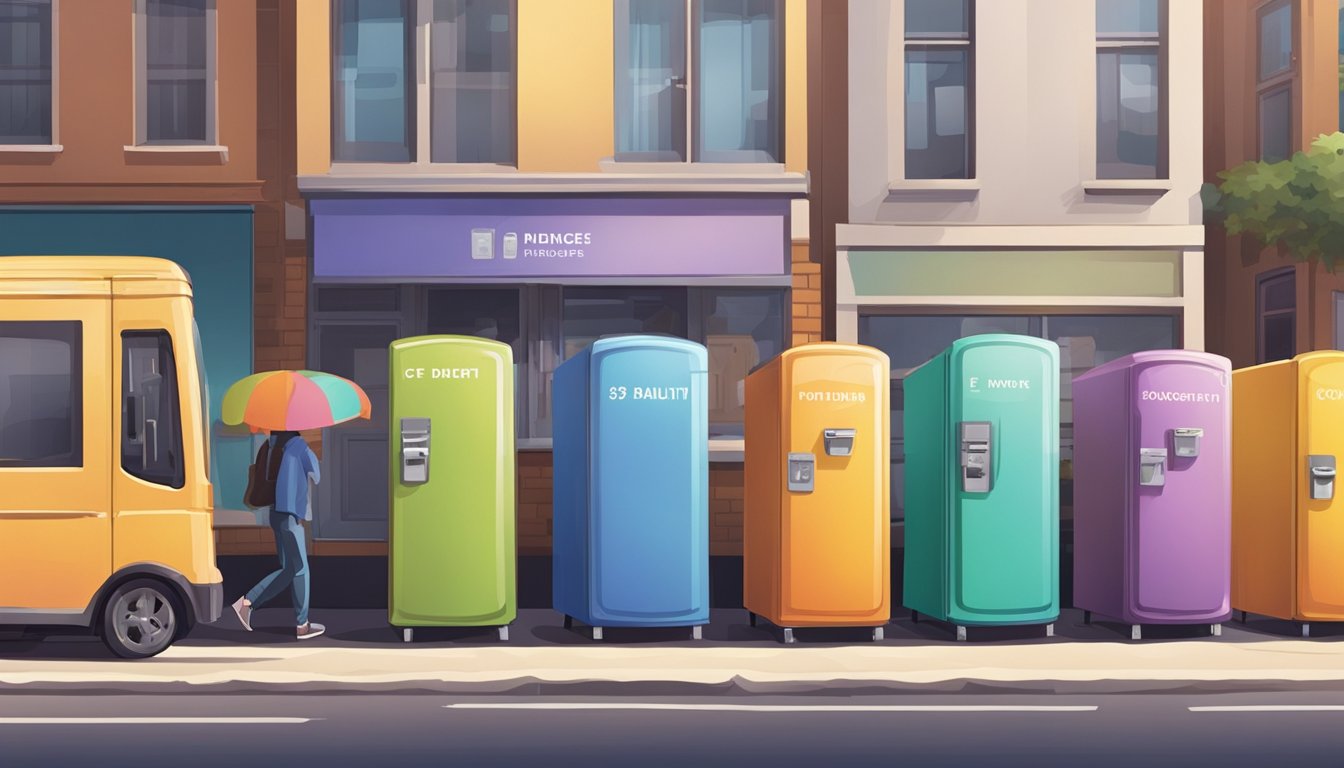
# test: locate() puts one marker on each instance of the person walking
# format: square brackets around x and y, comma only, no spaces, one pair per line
[297,464]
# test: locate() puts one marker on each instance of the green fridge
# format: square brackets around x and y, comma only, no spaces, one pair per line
[452,552]
[982,484]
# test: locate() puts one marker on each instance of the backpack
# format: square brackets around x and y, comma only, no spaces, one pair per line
[261,476]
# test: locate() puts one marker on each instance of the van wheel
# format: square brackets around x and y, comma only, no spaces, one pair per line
[140,619]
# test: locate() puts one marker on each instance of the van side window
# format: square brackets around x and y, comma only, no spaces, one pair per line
[151,421]
[41,394]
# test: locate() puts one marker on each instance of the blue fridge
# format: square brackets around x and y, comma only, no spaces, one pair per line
[631,485]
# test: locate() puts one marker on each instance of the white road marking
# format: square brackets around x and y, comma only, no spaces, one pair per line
[774,707]
[154,720]
[1274,708]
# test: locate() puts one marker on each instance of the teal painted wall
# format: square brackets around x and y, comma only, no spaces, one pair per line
[214,245]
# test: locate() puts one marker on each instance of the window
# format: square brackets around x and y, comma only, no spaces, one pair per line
[489,313]
[1276,69]
[1131,97]
[175,62]
[740,327]
[466,113]
[1276,316]
[1085,341]
[41,394]
[373,117]
[25,72]
[151,422]
[699,79]
[938,93]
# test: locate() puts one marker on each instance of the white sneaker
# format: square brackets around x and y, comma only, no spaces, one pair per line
[310,630]
[244,611]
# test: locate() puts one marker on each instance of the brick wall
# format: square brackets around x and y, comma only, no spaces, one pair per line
[807,295]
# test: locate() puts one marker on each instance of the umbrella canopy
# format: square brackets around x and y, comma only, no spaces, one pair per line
[277,401]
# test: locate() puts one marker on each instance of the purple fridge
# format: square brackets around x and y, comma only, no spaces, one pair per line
[1152,476]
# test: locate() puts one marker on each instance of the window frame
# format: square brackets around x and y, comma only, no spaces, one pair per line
[1282,80]
[420,123]
[693,151]
[931,43]
[1262,281]
[141,81]
[54,142]
[1135,43]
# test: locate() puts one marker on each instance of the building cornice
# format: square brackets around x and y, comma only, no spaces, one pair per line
[785,184]
[132,193]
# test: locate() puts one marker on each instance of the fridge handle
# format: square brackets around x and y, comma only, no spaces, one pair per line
[414,451]
[976,456]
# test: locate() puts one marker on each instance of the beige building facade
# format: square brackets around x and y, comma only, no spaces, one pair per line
[1020,166]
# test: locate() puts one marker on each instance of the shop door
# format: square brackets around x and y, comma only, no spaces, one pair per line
[352,498]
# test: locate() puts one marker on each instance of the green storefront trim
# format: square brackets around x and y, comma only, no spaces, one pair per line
[1155,273]
[214,245]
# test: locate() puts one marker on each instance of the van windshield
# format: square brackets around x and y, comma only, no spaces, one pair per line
[204,403]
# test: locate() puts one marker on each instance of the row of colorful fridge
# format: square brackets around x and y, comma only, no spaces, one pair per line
[1188,502]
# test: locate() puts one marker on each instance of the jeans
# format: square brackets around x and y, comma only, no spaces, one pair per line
[293,571]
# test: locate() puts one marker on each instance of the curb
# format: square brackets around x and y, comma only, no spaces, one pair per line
[736,687]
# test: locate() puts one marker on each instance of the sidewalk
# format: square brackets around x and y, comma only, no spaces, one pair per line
[361,652]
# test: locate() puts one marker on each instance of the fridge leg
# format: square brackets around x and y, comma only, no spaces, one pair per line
[569,622]
[961,634]
[788,635]
[1243,617]
[879,634]
[407,635]
[697,632]
[1135,632]
[1087,617]
[597,633]
[1216,630]
[914,617]
[1050,630]
[751,618]
[504,634]
[1306,629]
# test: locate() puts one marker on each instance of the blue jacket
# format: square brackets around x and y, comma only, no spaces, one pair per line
[291,483]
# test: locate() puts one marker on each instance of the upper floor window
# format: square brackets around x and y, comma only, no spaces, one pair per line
[699,80]
[1276,316]
[1275,70]
[25,72]
[175,72]
[451,101]
[939,58]
[1131,93]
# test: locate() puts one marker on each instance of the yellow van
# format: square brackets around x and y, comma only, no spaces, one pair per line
[105,497]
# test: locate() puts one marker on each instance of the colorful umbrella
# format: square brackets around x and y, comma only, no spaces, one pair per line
[293,400]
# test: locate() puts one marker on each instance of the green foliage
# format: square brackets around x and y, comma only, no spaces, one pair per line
[1297,203]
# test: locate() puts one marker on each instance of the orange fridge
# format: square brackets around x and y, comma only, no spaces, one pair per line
[1287,512]
[816,527]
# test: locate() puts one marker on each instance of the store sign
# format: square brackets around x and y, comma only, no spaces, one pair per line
[531,238]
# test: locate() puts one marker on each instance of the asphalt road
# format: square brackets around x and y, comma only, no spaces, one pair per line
[433,729]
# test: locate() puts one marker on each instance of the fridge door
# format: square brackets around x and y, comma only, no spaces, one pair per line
[1320,528]
[451,531]
[1005,540]
[1178,533]
[835,537]
[649,452]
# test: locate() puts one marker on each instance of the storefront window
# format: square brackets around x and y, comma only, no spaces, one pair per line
[1085,341]
[741,329]
[591,313]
